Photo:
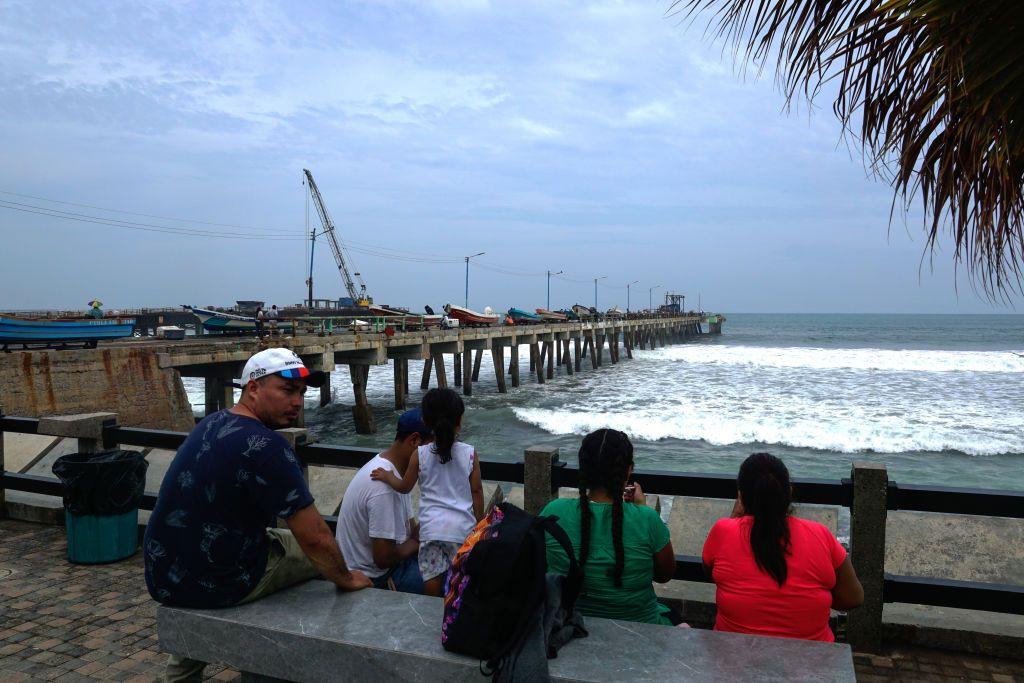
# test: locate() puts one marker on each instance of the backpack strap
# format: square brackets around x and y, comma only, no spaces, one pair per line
[574,579]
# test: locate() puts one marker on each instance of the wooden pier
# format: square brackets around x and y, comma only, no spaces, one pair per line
[455,355]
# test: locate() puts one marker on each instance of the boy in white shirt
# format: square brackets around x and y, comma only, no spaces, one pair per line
[376,530]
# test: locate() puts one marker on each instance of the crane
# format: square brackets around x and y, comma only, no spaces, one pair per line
[358,296]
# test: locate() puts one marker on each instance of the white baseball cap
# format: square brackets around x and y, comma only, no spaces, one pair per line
[284,362]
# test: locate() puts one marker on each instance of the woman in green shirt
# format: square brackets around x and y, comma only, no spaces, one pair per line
[622,544]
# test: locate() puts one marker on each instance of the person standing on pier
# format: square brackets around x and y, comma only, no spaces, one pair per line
[212,539]
[260,319]
[272,317]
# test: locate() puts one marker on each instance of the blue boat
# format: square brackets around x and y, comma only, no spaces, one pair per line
[62,332]
[521,317]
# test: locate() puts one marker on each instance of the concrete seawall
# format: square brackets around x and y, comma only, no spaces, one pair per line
[129,381]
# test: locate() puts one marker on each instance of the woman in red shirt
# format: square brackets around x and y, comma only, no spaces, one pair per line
[776,575]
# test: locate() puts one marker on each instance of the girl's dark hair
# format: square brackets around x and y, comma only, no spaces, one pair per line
[442,409]
[763,483]
[605,458]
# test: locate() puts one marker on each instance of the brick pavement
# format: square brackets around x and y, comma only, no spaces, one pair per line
[60,621]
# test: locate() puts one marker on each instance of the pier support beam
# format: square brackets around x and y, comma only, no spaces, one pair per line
[535,362]
[513,364]
[362,414]
[325,390]
[594,363]
[576,359]
[627,341]
[498,358]
[551,358]
[599,350]
[476,364]
[400,392]
[442,377]
[566,357]
[867,550]
[467,372]
[457,369]
[425,382]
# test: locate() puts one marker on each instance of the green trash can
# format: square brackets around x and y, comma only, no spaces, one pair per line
[102,492]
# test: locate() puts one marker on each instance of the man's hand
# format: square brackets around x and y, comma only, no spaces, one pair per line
[353,581]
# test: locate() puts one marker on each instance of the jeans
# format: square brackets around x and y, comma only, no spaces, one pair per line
[404,577]
[286,566]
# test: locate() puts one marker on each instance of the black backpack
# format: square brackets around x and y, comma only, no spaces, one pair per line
[497,582]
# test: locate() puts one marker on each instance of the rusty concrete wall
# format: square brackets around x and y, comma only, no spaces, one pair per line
[126,381]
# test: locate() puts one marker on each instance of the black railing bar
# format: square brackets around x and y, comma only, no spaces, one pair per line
[19,425]
[690,568]
[956,500]
[987,597]
[147,438]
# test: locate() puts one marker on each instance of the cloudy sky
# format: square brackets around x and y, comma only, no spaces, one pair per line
[597,138]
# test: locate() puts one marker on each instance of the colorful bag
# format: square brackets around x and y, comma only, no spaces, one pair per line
[497,581]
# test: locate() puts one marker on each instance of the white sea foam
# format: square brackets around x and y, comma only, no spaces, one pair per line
[891,360]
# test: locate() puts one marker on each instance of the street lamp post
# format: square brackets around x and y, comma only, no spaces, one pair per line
[467,274]
[549,286]
[650,298]
[627,293]
[595,289]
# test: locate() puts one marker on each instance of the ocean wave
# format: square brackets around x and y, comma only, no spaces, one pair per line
[890,360]
[845,435]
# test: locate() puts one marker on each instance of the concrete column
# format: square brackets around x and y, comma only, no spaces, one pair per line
[537,487]
[498,358]
[3,469]
[405,375]
[479,356]
[867,550]
[400,397]
[594,355]
[457,369]
[227,393]
[627,341]
[362,413]
[442,377]
[558,352]
[599,350]
[613,347]
[566,357]
[467,372]
[325,390]
[576,356]
[551,358]
[297,436]
[211,395]
[513,364]
[86,427]
[425,382]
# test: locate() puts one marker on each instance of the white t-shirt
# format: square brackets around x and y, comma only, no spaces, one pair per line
[371,509]
[446,502]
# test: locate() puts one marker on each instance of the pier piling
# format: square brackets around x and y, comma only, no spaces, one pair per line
[442,377]
[536,364]
[576,359]
[362,414]
[457,369]
[513,364]
[400,393]
[497,357]
[425,382]
[467,373]
[550,345]
[476,364]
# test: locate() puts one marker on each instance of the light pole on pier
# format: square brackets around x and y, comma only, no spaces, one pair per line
[595,289]
[549,286]
[650,298]
[467,274]
[627,293]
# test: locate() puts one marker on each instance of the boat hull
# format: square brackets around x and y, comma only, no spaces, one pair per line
[22,331]
[521,317]
[470,318]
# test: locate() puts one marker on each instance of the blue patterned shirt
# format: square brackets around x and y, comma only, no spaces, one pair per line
[206,542]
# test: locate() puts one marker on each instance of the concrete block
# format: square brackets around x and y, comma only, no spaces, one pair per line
[692,518]
[537,476]
[82,426]
[961,547]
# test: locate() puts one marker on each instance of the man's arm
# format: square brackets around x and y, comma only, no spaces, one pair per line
[388,554]
[317,542]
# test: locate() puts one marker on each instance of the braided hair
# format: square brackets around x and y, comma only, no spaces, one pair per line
[763,483]
[442,410]
[605,458]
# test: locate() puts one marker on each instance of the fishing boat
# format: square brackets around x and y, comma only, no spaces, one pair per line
[584,312]
[521,317]
[569,314]
[614,313]
[467,317]
[551,316]
[60,333]
[404,318]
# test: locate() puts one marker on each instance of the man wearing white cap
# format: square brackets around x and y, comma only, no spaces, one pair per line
[212,539]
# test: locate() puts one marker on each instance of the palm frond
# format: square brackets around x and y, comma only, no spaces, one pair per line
[932,90]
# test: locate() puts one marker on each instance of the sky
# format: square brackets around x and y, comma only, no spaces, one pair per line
[601,139]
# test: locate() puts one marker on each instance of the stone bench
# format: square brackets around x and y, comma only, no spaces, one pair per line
[312,632]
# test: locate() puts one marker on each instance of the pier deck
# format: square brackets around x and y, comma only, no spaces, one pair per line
[86,623]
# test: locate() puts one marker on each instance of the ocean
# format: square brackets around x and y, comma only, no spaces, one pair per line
[938,398]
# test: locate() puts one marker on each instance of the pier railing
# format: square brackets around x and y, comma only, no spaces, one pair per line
[867,493]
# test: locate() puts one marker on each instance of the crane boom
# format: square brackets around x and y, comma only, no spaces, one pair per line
[332,240]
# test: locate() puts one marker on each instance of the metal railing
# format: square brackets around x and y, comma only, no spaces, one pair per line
[893,588]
